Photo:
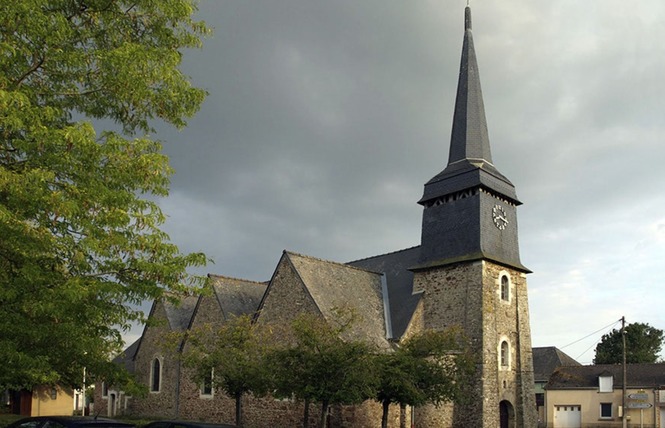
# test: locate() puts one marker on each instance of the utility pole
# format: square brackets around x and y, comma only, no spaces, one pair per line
[624,421]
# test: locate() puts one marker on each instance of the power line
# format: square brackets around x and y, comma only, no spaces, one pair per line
[591,334]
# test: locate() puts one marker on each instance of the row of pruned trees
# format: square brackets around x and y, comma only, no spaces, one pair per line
[315,361]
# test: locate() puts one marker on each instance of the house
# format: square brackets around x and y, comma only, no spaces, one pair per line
[42,400]
[545,362]
[465,273]
[586,396]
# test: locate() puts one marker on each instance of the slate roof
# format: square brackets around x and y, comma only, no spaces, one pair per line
[179,315]
[547,359]
[586,377]
[338,286]
[401,300]
[237,296]
[126,357]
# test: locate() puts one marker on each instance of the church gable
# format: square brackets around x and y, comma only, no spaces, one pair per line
[303,284]
[164,318]
[155,362]
[335,286]
[286,296]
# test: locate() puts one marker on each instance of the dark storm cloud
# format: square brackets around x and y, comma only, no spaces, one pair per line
[325,119]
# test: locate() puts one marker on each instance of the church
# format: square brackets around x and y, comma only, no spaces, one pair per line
[466,272]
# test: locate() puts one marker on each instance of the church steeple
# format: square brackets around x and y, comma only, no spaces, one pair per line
[469,272]
[469,138]
[454,229]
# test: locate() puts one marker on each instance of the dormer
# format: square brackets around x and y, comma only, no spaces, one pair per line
[606,382]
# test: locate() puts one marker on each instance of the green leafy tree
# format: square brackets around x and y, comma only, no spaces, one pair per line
[80,237]
[234,357]
[643,345]
[429,367]
[321,366]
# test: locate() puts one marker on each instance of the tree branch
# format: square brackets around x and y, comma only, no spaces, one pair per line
[35,66]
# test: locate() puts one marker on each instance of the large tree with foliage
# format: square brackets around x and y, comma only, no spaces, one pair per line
[233,357]
[430,367]
[80,237]
[643,345]
[323,366]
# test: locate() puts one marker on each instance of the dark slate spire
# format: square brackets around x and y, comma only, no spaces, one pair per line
[469,138]
[470,207]
[470,159]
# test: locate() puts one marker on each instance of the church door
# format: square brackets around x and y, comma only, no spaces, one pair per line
[506,415]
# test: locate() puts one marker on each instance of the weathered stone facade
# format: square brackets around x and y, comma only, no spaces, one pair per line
[468,295]
[162,401]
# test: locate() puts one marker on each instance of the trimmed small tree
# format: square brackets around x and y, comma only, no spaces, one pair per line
[232,357]
[429,367]
[322,367]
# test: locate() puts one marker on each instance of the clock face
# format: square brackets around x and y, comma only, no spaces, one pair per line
[499,217]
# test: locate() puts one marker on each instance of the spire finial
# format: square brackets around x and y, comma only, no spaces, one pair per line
[467,17]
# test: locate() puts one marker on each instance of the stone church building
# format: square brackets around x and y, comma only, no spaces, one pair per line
[466,272]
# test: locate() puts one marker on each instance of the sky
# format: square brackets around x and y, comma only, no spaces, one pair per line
[325,119]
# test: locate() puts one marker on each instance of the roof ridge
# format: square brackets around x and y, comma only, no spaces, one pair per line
[384,254]
[344,265]
[213,276]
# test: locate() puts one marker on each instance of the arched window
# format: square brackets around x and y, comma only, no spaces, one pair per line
[505,354]
[155,375]
[505,288]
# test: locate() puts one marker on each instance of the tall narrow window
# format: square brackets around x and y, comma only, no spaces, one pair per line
[505,354]
[505,288]
[206,385]
[156,375]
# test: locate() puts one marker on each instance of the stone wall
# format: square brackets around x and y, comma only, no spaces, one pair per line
[468,295]
[162,403]
[286,297]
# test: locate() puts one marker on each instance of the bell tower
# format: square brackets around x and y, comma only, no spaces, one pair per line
[469,268]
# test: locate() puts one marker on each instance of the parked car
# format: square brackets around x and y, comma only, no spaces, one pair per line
[68,422]
[185,424]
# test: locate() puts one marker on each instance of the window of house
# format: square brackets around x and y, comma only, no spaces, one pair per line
[206,385]
[505,288]
[54,393]
[155,375]
[605,410]
[605,384]
[505,354]
[105,390]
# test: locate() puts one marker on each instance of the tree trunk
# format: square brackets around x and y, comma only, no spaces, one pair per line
[402,415]
[384,416]
[305,422]
[239,410]
[324,414]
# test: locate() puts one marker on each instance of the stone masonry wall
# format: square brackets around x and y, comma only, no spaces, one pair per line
[162,403]
[468,295]
[287,297]
[192,405]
